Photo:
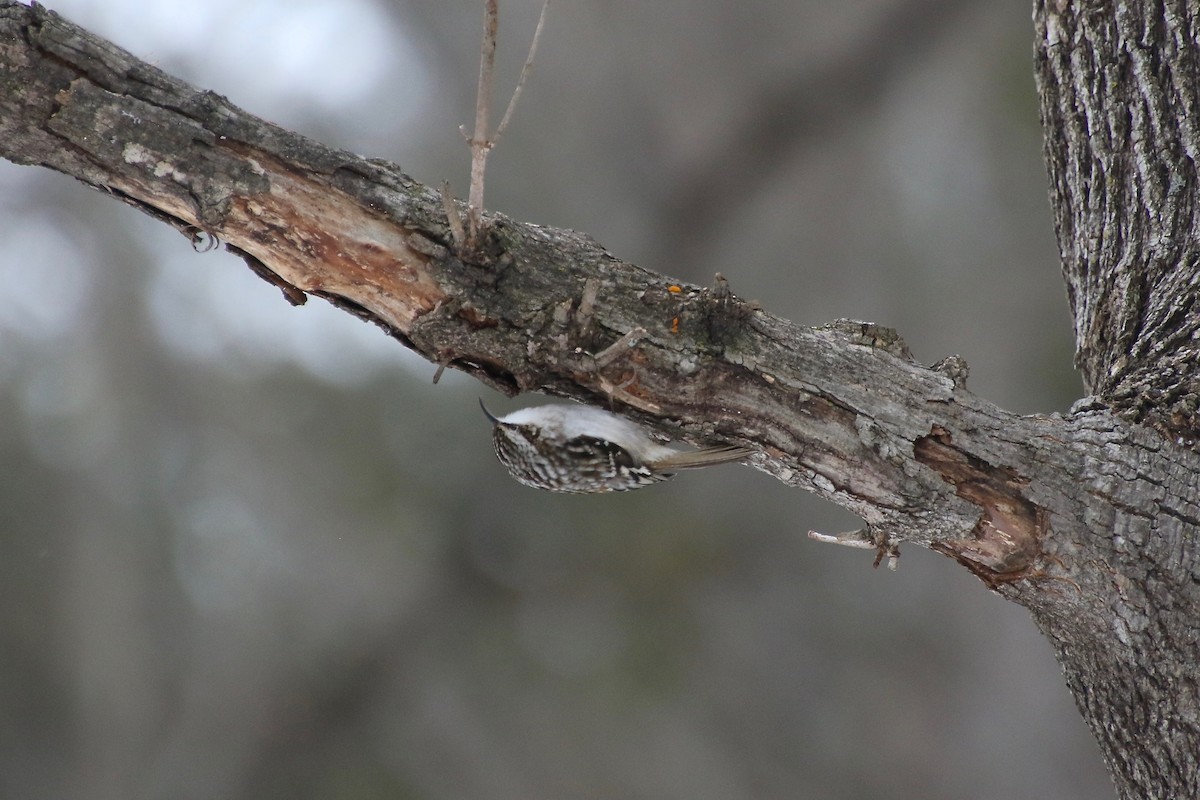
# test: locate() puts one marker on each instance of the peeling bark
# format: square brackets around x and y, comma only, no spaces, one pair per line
[1089,520]
[1006,541]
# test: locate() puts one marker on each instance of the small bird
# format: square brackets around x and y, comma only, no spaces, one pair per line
[583,450]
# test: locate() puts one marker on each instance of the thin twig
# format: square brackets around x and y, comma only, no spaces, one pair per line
[480,145]
[860,539]
[441,368]
[587,304]
[482,142]
[619,348]
[525,70]
[863,539]
[452,217]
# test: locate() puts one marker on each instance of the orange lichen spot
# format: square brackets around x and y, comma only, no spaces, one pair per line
[675,325]
[674,288]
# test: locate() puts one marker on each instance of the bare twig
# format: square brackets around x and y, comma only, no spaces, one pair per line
[441,368]
[619,348]
[860,539]
[452,217]
[525,70]
[587,304]
[483,102]
[481,142]
[863,539]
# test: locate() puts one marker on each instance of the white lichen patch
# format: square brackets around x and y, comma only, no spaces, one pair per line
[134,153]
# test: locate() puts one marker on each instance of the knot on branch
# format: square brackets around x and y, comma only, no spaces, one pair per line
[870,334]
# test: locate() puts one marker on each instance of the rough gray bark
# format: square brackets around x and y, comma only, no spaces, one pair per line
[1089,520]
[1120,94]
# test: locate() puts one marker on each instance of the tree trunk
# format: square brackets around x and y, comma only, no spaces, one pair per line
[1088,520]
[1119,102]
[1120,95]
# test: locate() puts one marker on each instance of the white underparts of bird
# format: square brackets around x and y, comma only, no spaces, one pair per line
[584,450]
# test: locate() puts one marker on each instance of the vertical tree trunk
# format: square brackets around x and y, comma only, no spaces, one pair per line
[1119,86]
[1120,97]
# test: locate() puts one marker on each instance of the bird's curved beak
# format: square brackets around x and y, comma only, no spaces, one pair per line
[494,419]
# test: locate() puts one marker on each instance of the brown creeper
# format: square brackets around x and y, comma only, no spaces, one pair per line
[583,450]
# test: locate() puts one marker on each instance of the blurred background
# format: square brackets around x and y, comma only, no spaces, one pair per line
[251,551]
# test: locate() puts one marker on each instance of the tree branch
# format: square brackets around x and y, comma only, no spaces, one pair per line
[363,235]
[840,410]
[1087,520]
